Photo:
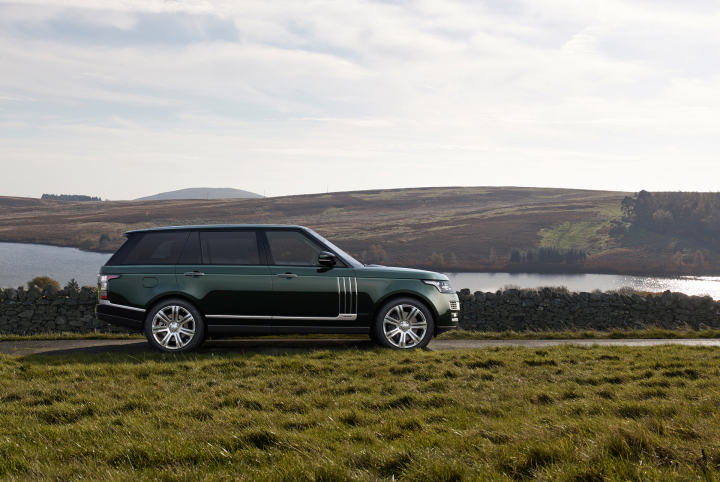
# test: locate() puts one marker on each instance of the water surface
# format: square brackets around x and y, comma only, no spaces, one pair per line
[704,285]
[20,262]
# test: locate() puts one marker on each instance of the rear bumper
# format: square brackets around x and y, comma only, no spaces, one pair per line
[119,316]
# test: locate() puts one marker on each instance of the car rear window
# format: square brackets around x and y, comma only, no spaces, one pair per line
[153,248]
[229,247]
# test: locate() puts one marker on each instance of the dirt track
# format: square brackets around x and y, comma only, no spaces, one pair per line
[67,347]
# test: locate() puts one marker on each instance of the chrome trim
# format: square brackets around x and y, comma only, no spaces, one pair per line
[345,306]
[194,273]
[317,318]
[287,275]
[240,317]
[107,303]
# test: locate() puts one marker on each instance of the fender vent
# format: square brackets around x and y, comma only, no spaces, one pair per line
[454,306]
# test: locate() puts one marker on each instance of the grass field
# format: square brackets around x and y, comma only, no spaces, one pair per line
[650,333]
[563,413]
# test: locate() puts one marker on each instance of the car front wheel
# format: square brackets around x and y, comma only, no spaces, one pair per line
[174,326]
[403,323]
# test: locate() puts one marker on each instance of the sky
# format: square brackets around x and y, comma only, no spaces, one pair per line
[127,98]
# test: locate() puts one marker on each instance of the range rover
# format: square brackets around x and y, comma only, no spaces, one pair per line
[181,284]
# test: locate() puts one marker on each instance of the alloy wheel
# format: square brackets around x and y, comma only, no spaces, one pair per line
[404,326]
[173,327]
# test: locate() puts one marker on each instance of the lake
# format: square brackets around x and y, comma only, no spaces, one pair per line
[19,263]
[709,285]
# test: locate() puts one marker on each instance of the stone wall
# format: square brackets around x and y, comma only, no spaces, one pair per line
[26,312]
[546,310]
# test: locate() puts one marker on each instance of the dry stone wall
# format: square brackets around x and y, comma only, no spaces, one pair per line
[547,310]
[27,312]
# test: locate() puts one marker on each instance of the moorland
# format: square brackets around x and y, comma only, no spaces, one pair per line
[451,229]
[565,413]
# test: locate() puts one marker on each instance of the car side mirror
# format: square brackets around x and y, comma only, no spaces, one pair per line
[326,258]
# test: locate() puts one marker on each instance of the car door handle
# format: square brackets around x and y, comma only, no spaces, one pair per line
[287,275]
[194,273]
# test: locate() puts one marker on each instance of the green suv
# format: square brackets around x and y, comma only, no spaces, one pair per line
[182,284]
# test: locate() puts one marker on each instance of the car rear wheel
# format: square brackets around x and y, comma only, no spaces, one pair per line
[175,326]
[403,323]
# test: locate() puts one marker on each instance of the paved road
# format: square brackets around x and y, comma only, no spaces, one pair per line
[64,347]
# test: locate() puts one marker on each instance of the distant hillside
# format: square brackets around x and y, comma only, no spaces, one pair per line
[202,193]
[446,229]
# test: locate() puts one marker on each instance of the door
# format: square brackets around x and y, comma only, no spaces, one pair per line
[225,272]
[305,294]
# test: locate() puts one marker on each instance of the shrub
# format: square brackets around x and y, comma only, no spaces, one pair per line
[105,240]
[43,282]
[87,243]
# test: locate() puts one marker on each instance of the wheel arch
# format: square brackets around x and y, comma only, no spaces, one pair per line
[408,294]
[169,296]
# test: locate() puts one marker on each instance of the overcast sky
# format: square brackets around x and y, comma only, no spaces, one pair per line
[127,98]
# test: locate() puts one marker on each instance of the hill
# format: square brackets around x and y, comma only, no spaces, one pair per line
[451,229]
[202,193]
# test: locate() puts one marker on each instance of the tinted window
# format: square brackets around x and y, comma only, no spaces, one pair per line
[157,248]
[191,251]
[123,251]
[229,247]
[290,248]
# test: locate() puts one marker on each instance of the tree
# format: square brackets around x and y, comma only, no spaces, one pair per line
[627,206]
[515,256]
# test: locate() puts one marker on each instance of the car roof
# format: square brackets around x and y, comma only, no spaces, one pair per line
[213,227]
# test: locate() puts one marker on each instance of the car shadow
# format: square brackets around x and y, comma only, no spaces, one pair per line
[216,347]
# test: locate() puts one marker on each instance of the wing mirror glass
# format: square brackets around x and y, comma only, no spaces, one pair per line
[326,258]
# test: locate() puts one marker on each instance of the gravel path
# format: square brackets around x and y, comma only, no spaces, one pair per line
[66,347]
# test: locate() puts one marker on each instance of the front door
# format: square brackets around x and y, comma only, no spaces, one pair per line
[308,297]
[226,274]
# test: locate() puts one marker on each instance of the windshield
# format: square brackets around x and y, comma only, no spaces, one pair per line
[346,257]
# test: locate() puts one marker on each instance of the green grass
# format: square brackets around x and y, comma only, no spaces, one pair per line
[649,333]
[561,413]
[574,234]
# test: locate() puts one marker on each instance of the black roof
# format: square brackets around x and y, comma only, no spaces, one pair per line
[212,227]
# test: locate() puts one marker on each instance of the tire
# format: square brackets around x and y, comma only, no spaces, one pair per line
[175,326]
[403,324]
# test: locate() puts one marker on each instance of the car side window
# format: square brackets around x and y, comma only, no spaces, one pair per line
[290,248]
[157,248]
[229,247]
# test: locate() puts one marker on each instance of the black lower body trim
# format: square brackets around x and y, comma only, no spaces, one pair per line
[304,330]
[443,329]
[232,330]
[134,325]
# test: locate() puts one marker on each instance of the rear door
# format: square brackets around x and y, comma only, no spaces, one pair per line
[226,273]
[308,297]
[147,266]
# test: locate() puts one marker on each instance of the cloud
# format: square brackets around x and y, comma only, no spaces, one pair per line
[387,94]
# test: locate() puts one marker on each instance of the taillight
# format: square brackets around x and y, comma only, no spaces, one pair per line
[103,280]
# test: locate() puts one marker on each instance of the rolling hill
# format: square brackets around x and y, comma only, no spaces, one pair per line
[451,229]
[202,193]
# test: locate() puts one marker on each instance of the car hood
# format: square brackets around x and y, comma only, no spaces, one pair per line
[378,271]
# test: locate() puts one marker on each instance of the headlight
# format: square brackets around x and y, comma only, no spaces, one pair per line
[442,286]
